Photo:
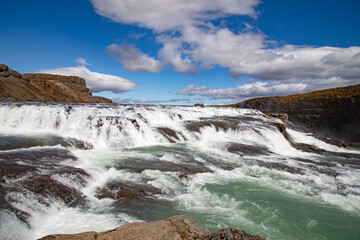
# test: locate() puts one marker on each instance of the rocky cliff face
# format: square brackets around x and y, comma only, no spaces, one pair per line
[332,113]
[173,228]
[16,87]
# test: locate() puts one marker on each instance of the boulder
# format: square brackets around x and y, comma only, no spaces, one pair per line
[233,234]
[172,228]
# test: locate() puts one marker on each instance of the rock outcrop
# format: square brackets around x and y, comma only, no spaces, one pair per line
[16,87]
[331,113]
[173,228]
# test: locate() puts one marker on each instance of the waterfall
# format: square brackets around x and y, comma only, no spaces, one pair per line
[69,168]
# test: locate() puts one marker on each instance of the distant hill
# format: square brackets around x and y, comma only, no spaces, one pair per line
[16,87]
[332,113]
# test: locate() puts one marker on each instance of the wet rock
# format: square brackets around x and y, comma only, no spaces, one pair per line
[246,150]
[307,148]
[29,172]
[195,126]
[135,123]
[140,165]
[168,133]
[223,123]
[281,127]
[9,142]
[46,156]
[129,192]
[332,141]
[302,146]
[279,166]
[47,187]
[199,105]
[233,234]
[13,170]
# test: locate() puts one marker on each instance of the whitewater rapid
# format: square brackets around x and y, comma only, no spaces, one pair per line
[225,167]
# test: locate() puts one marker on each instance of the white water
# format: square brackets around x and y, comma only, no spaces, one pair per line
[120,133]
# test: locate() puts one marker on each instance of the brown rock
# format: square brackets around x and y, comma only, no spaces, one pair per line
[168,133]
[233,234]
[331,113]
[78,236]
[127,191]
[16,87]
[281,127]
[176,227]
[282,116]
[187,228]
[46,186]
[172,228]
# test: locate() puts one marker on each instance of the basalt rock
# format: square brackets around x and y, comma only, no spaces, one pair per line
[140,165]
[333,113]
[169,134]
[233,234]
[172,228]
[16,87]
[128,192]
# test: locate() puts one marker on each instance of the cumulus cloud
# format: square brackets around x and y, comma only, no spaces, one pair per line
[133,59]
[191,42]
[261,89]
[171,14]
[96,82]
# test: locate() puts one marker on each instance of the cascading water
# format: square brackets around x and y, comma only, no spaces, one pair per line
[68,168]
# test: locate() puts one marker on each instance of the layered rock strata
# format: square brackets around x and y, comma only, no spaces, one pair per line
[16,87]
[331,113]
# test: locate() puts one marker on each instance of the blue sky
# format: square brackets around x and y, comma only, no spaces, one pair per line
[186,51]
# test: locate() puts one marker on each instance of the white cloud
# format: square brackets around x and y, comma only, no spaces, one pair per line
[82,61]
[171,14]
[191,43]
[133,59]
[261,89]
[96,82]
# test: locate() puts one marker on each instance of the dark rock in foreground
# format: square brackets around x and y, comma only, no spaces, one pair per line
[176,227]
[16,87]
[331,113]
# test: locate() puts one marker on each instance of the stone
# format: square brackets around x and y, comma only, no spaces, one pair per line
[233,234]
[16,87]
[281,127]
[168,133]
[172,228]
[127,191]
[331,113]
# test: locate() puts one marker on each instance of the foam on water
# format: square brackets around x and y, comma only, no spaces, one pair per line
[228,192]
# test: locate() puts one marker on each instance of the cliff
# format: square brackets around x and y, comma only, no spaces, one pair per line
[16,87]
[331,113]
[173,228]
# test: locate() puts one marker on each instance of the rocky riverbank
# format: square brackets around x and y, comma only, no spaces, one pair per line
[172,228]
[331,113]
[16,87]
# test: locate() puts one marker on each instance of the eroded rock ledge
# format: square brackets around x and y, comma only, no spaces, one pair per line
[16,87]
[331,113]
[172,228]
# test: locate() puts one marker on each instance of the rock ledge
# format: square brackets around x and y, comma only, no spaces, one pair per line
[175,227]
